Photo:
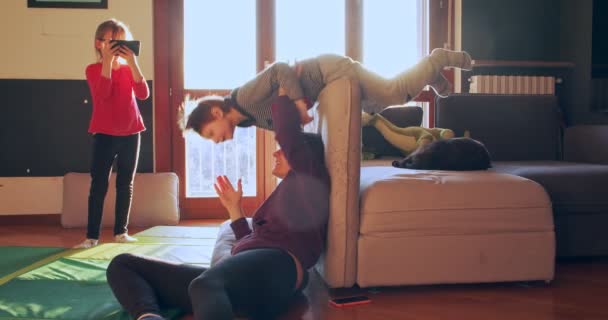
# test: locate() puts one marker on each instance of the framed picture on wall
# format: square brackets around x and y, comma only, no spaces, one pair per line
[82,4]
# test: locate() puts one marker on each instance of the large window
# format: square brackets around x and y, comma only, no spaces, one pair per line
[209,47]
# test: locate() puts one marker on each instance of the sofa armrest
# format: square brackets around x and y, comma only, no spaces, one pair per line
[338,121]
[586,143]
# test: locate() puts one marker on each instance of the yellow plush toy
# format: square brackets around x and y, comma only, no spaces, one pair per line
[405,139]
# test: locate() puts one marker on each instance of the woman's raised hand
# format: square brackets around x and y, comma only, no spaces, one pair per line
[229,197]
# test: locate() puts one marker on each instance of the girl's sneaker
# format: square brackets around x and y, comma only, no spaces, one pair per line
[124,238]
[88,243]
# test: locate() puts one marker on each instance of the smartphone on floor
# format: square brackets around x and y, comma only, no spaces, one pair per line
[349,301]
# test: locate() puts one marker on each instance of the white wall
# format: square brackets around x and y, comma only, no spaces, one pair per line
[40,43]
[39,195]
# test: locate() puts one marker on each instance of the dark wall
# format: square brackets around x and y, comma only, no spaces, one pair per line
[511,30]
[599,47]
[577,46]
[43,128]
[542,30]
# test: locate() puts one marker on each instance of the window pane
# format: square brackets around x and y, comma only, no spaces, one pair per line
[394,34]
[306,29]
[219,53]
[206,160]
[219,43]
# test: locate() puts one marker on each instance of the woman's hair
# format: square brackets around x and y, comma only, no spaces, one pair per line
[117,28]
[201,114]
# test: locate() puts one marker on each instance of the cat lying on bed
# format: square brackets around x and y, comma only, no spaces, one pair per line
[460,154]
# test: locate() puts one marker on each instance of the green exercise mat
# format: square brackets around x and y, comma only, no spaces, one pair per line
[13,259]
[180,232]
[70,270]
[175,253]
[180,241]
[60,299]
[55,283]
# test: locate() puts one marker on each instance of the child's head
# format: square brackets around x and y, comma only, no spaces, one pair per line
[209,119]
[111,29]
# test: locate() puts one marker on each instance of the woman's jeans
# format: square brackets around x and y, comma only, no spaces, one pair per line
[258,283]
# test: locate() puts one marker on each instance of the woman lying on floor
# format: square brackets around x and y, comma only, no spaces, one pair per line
[268,264]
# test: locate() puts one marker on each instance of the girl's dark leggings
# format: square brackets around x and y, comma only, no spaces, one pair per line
[106,148]
[258,283]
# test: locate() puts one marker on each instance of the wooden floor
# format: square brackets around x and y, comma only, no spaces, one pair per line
[579,291]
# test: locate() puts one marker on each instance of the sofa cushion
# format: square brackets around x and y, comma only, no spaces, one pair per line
[580,202]
[435,202]
[586,143]
[573,187]
[512,127]
[155,200]
[401,116]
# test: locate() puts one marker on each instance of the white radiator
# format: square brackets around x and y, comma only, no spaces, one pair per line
[512,84]
[31,195]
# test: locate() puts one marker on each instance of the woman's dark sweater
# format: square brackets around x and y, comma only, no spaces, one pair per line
[294,217]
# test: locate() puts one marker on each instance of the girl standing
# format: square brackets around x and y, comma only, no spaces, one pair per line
[115,81]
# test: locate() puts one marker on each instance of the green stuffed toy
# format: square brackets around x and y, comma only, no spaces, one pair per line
[405,139]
